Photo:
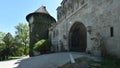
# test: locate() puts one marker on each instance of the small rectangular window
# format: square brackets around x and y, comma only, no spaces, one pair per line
[111,31]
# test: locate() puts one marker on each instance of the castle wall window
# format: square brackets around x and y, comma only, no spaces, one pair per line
[111,31]
[31,19]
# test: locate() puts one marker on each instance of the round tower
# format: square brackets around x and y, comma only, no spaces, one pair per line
[39,23]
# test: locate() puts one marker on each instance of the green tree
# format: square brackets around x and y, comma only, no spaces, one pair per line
[8,48]
[2,35]
[22,36]
[20,48]
[43,46]
[2,44]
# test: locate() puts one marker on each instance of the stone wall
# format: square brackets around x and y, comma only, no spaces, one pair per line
[99,17]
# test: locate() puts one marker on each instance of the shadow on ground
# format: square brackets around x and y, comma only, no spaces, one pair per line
[54,60]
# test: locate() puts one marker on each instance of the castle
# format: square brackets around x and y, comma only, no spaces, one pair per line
[90,26]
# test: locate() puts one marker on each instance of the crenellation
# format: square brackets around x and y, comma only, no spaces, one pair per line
[67,7]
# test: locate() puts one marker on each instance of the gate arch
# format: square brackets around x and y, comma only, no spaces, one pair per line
[78,37]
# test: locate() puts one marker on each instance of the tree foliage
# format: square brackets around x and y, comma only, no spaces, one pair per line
[43,46]
[39,44]
[2,35]
[14,46]
[22,36]
[2,44]
[8,47]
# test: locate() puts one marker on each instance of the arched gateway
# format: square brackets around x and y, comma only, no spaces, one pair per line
[78,37]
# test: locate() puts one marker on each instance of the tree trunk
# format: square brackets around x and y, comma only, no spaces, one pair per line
[25,48]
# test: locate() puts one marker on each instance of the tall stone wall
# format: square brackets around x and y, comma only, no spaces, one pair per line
[99,17]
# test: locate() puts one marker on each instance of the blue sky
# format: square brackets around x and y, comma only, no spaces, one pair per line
[13,12]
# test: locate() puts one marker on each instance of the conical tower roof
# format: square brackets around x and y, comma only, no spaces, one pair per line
[41,10]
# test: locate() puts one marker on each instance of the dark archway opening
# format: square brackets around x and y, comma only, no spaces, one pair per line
[78,37]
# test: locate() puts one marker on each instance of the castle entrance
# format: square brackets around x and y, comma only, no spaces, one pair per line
[78,37]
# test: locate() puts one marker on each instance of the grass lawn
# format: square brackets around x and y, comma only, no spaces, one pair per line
[110,63]
[104,63]
[15,57]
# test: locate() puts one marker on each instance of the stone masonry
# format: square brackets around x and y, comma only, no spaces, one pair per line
[97,22]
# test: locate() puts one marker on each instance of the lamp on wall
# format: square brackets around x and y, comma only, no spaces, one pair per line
[89,29]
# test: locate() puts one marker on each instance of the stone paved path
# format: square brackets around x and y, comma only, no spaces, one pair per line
[44,61]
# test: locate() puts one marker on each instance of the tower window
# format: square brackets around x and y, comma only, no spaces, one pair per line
[111,31]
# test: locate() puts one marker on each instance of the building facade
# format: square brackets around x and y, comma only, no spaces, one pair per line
[91,26]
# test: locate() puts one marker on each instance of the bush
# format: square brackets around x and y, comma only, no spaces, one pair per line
[43,46]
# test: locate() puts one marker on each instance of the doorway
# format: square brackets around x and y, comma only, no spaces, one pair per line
[78,37]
